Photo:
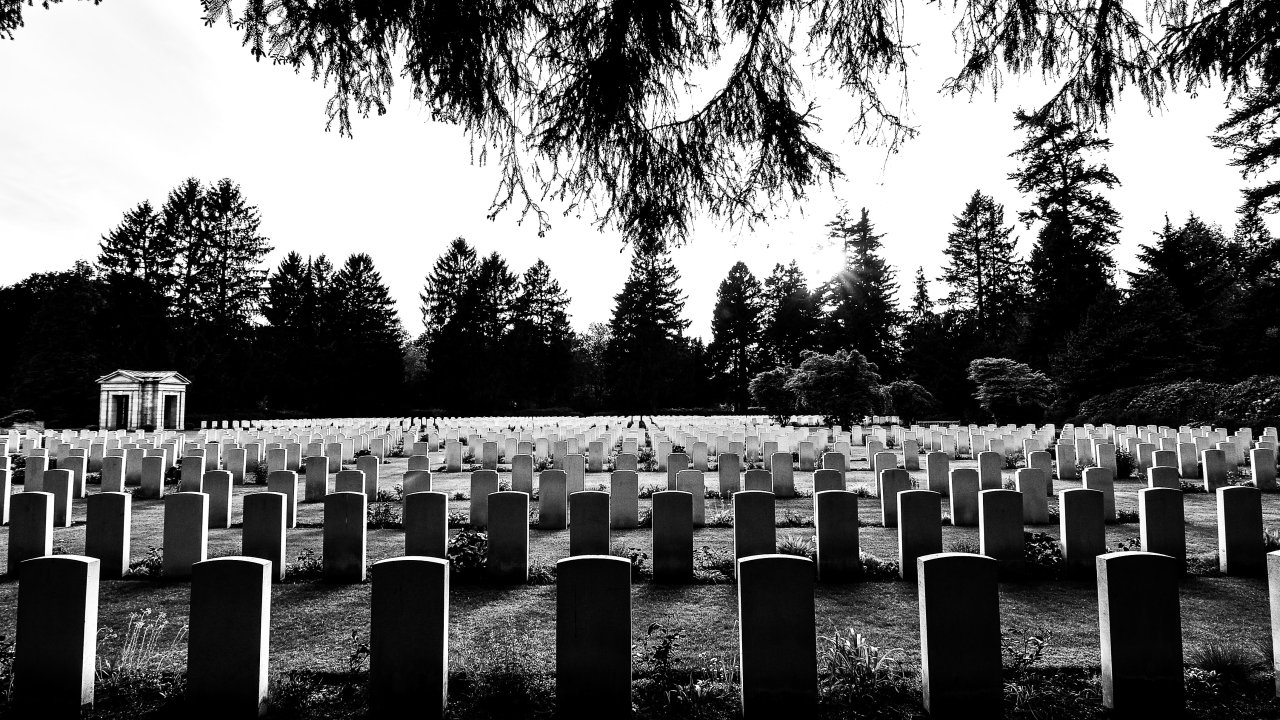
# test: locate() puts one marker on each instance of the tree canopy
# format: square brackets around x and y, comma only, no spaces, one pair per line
[645,114]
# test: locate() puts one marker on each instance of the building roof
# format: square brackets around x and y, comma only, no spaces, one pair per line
[171,376]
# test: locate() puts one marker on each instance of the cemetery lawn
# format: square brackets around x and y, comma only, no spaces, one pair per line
[316,627]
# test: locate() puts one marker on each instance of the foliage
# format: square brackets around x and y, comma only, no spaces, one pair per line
[646,345]
[854,673]
[499,677]
[909,400]
[638,558]
[860,301]
[148,567]
[712,566]
[797,545]
[770,391]
[791,518]
[1010,390]
[983,270]
[468,552]
[384,516]
[17,417]
[1233,664]
[875,568]
[841,387]
[1126,463]
[665,684]
[735,346]
[1042,555]
[153,651]
[308,567]
[791,318]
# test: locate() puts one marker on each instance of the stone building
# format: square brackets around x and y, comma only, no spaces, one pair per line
[132,399]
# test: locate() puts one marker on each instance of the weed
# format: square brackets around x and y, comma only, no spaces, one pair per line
[1271,539]
[468,551]
[712,566]
[639,559]
[1026,649]
[395,494]
[647,491]
[308,567]
[797,545]
[459,496]
[148,567]
[875,568]
[1232,663]
[541,573]
[384,515]
[854,673]
[458,519]
[965,546]
[791,518]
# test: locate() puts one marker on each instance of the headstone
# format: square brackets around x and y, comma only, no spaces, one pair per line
[75,464]
[229,632]
[1215,469]
[990,465]
[1140,624]
[672,536]
[700,456]
[113,473]
[910,455]
[575,472]
[729,469]
[285,482]
[1263,464]
[426,525]
[938,467]
[1103,480]
[483,483]
[1066,462]
[593,636]
[892,482]
[1082,530]
[778,650]
[489,456]
[265,520]
[919,528]
[1273,594]
[345,537]
[960,649]
[1043,461]
[624,505]
[508,559]
[106,535]
[627,462]
[58,484]
[317,478]
[835,520]
[421,462]
[964,497]
[553,500]
[589,523]
[595,456]
[30,528]
[522,474]
[757,479]
[217,485]
[186,533]
[452,456]
[784,485]
[409,637]
[1000,527]
[1240,545]
[675,463]
[55,649]
[369,465]
[33,474]
[1161,523]
[694,483]
[1031,483]
[415,481]
[754,530]
[1161,476]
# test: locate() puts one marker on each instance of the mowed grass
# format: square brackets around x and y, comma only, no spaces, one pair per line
[316,626]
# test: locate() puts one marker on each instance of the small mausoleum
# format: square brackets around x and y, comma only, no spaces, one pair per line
[133,399]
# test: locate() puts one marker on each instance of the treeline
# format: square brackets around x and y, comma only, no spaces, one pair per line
[182,287]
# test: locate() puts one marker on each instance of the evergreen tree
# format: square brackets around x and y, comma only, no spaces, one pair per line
[136,268]
[646,333]
[983,270]
[862,299]
[792,316]
[1070,265]
[735,329]
[369,334]
[138,248]
[232,277]
[541,341]
[921,304]
[450,343]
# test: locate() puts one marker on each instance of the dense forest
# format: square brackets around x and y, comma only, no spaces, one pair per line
[183,286]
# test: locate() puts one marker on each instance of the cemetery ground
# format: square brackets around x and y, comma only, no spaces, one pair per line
[502,638]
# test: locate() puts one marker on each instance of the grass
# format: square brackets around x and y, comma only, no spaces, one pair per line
[313,622]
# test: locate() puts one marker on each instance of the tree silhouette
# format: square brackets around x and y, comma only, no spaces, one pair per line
[735,332]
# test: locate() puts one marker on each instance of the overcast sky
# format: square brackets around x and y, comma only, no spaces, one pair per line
[103,107]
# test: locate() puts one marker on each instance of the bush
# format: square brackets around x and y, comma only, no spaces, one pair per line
[309,566]
[874,568]
[1124,463]
[18,417]
[853,673]
[797,545]
[712,566]
[383,516]
[148,567]
[467,553]
[1042,555]
[791,518]
[1233,664]
[639,559]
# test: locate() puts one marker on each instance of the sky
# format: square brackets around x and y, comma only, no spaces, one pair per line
[104,107]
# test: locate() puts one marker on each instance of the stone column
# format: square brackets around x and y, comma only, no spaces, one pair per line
[55,650]
[593,636]
[228,636]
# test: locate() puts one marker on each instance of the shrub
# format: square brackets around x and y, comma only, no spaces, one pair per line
[647,491]
[1191,487]
[18,417]
[874,568]
[1271,539]
[1126,516]
[854,673]
[384,515]
[712,566]
[644,518]
[1010,390]
[639,559]
[797,545]
[308,566]
[965,546]
[459,496]
[861,490]
[1026,650]
[255,473]
[147,567]
[1125,464]
[1042,555]
[721,518]
[458,519]
[541,573]
[394,494]
[467,553]
[1234,664]
[791,518]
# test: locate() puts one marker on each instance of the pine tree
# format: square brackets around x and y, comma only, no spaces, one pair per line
[139,248]
[136,268]
[792,317]
[735,328]
[646,343]
[541,341]
[1070,265]
[862,299]
[232,277]
[921,304]
[369,332]
[983,270]
[447,297]
[450,343]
